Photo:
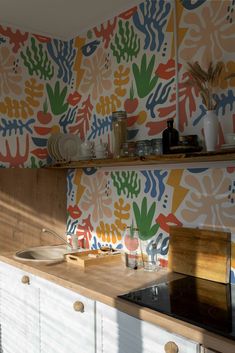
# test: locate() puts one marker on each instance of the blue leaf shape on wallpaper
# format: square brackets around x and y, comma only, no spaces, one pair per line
[152,22]
[200,116]
[152,178]
[7,127]
[197,170]
[2,40]
[160,96]
[70,176]
[71,226]
[89,48]
[63,54]
[39,142]
[164,246]
[192,4]
[224,101]
[67,119]
[100,126]
[89,171]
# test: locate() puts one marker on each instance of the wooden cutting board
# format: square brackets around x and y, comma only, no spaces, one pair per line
[200,253]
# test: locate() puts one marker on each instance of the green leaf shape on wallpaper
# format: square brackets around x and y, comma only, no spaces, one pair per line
[57,98]
[144,83]
[144,219]
[126,43]
[37,62]
[126,182]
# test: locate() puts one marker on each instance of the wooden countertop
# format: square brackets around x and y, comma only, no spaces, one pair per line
[105,282]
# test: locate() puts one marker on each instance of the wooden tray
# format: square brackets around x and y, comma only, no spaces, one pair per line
[200,253]
[92,257]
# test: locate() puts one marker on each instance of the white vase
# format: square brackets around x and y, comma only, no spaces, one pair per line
[211,128]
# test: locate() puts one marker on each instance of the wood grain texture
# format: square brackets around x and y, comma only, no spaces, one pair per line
[104,283]
[31,199]
[201,253]
[83,258]
[196,157]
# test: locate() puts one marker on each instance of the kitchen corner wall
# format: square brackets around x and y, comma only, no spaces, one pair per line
[134,61]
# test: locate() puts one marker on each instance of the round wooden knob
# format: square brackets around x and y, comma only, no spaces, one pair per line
[171,347]
[78,306]
[25,280]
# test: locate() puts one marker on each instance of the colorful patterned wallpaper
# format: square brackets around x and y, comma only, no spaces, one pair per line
[128,62]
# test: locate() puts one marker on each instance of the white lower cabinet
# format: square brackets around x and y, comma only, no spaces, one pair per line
[19,311]
[118,332]
[37,316]
[67,321]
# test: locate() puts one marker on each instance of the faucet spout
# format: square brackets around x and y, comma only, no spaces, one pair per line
[46,230]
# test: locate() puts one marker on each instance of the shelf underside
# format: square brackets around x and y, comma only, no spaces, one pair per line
[196,157]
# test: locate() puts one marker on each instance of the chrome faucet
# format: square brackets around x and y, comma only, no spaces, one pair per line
[46,230]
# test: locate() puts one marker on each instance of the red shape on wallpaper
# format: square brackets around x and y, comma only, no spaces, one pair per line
[167,71]
[106,32]
[17,159]
[16,38]
[42,39]
[83,119]
[42,130]
[74,98]
[156,127]
[74,211]
[85,230]
[130,105]
[44,117]
[128,14]
[166,221]
[40,153]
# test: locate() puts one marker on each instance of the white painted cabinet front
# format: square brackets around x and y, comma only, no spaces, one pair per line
[67,321]
[38,316]
[19,311]
[118,332]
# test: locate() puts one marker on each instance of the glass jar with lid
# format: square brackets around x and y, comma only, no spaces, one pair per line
[119,132]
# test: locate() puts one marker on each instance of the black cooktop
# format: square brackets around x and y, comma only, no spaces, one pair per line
[207,304]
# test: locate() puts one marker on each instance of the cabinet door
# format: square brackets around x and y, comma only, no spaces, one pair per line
[120,333]
[63,327]
[19,311]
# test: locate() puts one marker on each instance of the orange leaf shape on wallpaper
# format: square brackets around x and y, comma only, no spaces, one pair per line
[209,199]
[212,26]
[97,196]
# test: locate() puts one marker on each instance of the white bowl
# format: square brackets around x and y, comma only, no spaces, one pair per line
[230,138]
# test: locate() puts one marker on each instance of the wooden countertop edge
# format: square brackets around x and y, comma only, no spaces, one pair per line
[175,326]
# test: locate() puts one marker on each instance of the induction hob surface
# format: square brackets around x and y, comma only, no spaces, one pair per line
[203,303]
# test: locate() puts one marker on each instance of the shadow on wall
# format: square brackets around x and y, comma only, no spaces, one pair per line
[31,199]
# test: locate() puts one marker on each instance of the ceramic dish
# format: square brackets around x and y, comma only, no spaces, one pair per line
[69,147]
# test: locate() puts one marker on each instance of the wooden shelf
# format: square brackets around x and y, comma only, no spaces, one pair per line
[196,157]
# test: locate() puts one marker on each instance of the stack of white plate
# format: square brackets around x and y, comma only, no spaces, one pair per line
[64,147]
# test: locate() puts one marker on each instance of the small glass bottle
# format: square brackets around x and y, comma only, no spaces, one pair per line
[119,132]
[170,137]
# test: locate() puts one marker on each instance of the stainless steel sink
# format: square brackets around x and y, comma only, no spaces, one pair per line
[43,254]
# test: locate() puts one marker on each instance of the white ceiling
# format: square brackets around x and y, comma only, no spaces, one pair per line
[59,18]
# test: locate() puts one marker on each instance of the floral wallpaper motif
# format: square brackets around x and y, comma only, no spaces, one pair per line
[129,62]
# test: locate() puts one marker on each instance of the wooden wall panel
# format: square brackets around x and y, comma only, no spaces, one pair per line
[31,199]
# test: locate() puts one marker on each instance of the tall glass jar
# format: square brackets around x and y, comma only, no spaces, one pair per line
[119,132]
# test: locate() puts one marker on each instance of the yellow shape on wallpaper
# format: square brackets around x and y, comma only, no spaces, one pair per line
[181,32]
[13,108]
[179,192]
[80,187]
[113,232]
[79,42]
[121,79]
